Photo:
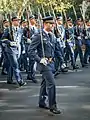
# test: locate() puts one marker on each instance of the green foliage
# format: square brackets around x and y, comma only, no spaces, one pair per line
[44,5]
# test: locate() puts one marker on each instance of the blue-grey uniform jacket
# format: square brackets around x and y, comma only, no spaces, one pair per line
[79,35]
[50,49]
[87,36]
[7,40]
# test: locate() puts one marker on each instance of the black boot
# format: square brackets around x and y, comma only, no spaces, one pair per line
[64,70]
[21,83]
[75,67]
[55,110]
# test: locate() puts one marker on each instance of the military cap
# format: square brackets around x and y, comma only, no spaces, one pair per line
[5,20]
[79,19]
[48,19]
[31,17]
[69,19]
[23,20]
[14,18]
[59,17]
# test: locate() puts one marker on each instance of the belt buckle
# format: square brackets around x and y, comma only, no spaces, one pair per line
[50,59]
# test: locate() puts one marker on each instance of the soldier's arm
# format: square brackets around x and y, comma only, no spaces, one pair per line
[6,37]
[75,32]
[57,50]
[36,40]
[63,32]
[25,34]
[22,44]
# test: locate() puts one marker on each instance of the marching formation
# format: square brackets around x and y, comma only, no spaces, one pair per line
[44,44]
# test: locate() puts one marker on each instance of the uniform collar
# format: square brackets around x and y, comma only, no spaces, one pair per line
[14,27]
[32,26]
[45,31]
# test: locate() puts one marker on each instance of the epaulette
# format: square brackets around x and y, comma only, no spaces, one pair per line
[4,39]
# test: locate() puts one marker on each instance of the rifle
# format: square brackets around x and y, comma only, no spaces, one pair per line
[83,11]
[43,10]
[30,9]
[67,32]
[56,30]
[40,23]
[75,17]
[10,30]
[28,24]
[49,12]
[1,24]
[65,18]
[83,19]
[62,16]
[75,12]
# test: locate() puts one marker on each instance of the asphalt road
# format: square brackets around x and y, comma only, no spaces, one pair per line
[73,98]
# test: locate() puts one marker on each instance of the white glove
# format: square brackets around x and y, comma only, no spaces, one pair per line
[58,39]
[28,41]
[86,37]
[63,66]
[23,52]
[44,61]
[13,43]
[79,37]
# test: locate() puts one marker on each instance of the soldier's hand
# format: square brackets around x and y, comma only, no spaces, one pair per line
[79,38]
[13,43]
[23,52]
[86,37]
[44,61]
[28,41]
[63,66]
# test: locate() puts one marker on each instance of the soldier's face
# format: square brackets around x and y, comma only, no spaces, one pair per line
[6,24]
[33,21]
[88,24]
[49,26]
[59,22]
[15,22]
[70,23]
[79,23]
[24,24]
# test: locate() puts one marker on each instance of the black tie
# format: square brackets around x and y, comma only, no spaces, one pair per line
[16,29]
[50,36]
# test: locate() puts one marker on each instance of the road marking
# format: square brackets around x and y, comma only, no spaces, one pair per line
[2,89]
[86,107]
[58,87]
[37,87]
[72,71]
[37,95]
[20,110]
[3,81]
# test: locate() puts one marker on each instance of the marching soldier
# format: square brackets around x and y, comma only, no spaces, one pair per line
[26,41]
[87,42]
[79,33]
[61,43]
[4,57]
[70,43]
[33,30]
[13,51]
[45,57]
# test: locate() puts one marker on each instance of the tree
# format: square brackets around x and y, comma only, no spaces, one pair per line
[45,6]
